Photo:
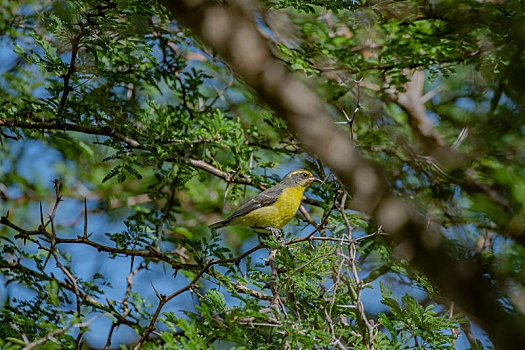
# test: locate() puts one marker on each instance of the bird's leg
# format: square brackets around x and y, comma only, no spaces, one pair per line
[276,233]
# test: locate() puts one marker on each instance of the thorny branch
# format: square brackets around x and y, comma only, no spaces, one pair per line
[164,299]
[150,253]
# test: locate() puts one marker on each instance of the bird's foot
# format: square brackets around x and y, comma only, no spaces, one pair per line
[276,233]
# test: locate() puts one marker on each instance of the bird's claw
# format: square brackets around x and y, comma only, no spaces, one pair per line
[276,233]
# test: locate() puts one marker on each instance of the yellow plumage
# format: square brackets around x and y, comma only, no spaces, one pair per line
[276,215]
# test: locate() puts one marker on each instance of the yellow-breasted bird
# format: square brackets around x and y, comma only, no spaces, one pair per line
[273,208]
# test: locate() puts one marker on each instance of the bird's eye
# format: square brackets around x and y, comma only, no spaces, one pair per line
[305,174]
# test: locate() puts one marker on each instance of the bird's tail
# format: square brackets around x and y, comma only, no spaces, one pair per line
[218,225]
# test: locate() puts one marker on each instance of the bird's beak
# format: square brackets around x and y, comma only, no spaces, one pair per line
[314,179]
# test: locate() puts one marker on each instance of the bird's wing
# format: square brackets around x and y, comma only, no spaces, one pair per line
[263,199]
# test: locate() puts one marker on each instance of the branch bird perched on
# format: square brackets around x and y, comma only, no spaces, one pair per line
[273,208]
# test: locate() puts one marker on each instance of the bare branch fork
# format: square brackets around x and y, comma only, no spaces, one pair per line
[350,121]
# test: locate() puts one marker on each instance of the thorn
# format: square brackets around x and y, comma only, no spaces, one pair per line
[43,130]
[85,218]
[156,292]
[346,116]
[41,216]
[57,183]
[45,262]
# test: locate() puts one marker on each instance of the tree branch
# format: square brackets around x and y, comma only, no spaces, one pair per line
[92,130]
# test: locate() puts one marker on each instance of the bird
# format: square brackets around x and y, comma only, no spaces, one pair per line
[273,208]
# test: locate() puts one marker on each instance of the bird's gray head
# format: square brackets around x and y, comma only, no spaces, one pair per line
[299,178]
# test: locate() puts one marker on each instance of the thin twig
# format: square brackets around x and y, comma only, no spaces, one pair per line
[52,221]
[58,332]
